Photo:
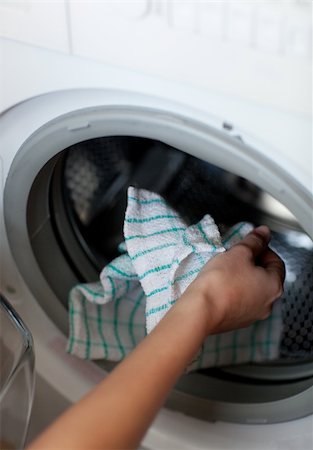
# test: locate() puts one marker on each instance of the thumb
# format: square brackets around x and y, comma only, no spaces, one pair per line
[257,241]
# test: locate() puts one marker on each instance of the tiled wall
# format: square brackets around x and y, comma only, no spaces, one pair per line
[258,50]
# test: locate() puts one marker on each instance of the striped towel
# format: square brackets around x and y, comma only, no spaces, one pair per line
[160,257]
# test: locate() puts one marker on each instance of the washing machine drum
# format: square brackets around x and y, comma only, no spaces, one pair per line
[75,214]
[95,174]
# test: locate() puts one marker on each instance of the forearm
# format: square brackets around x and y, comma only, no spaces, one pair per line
[118,412]
[226,295]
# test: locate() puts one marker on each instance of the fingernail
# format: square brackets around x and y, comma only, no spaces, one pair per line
[263,231]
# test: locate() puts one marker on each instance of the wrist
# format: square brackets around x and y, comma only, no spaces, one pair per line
[202,294]
[195,306]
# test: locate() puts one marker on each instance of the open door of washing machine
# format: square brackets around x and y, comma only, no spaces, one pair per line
[66,189]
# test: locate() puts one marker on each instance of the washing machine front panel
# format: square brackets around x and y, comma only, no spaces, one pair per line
[286,136]
[76,116]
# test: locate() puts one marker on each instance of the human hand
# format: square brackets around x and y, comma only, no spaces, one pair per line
[240,286]
[233,290]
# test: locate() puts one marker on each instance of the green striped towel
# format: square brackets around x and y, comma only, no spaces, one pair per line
[161,257]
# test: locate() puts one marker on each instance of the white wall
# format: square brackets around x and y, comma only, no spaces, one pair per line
[258,50]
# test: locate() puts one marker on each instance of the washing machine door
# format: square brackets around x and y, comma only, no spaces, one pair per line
[48,139]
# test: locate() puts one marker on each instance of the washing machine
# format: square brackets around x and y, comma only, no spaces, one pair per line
[72,127]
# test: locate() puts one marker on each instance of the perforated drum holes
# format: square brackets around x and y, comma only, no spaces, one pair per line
[297,302]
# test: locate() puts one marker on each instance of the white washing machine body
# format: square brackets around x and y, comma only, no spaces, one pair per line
[88,100]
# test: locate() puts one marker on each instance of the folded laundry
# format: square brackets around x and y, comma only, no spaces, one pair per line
[161,256]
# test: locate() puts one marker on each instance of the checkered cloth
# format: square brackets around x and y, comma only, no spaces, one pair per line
[161,257]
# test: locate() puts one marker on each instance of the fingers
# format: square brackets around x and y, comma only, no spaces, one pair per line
[272,263]
[257,241]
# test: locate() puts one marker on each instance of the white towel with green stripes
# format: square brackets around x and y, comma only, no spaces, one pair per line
[162,256]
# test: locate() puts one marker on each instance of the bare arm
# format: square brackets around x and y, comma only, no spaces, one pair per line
[226,295]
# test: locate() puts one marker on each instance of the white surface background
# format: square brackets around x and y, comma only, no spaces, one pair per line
[258,50]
